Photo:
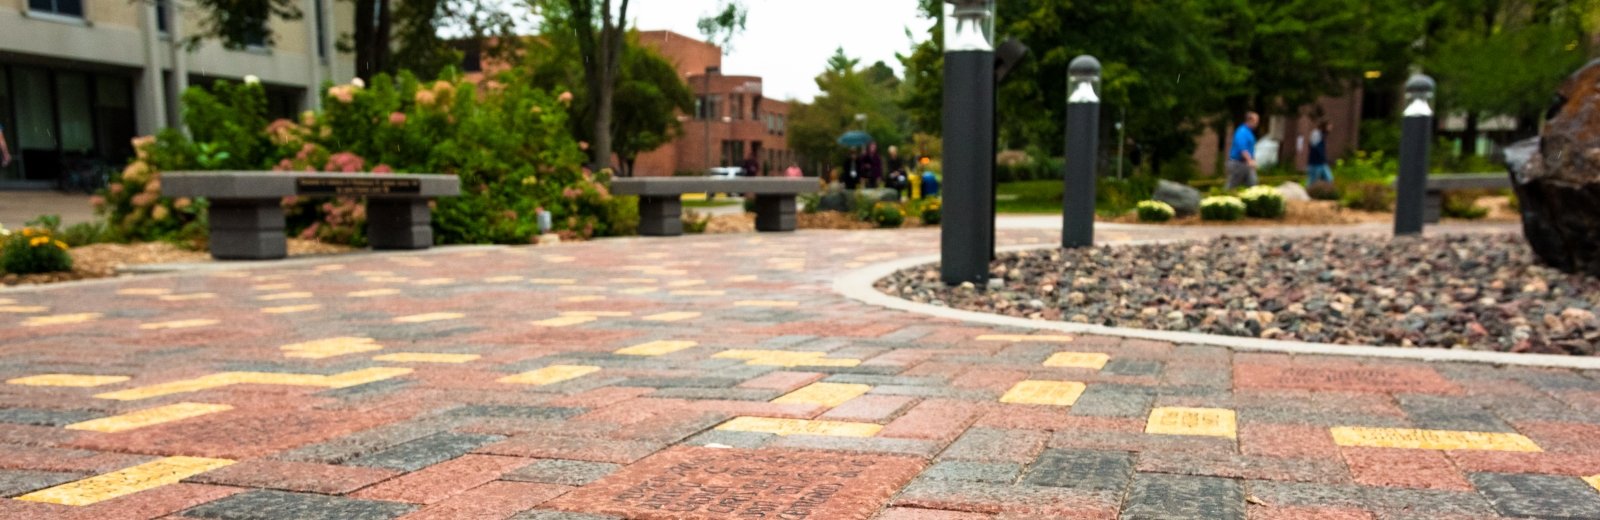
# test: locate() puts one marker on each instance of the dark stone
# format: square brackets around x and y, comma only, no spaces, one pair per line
[970,471]
[425,452]
[1185,201]
[1538,496]
[15,482]
[1095,470]
[41,417]
[836,199]
[515,412]
[1157,496]
[562,472]
[1557,178]
[265,505]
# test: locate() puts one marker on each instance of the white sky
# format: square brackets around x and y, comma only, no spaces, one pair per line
[788,42]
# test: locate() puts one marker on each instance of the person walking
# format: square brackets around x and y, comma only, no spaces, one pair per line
[1317,170]
[871,167]
[897,172]
[751,166]
[1242,156]
[5,150]
[851,176]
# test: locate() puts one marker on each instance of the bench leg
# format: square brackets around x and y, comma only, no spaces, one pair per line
[399,224]
[660,216]
[775,213]
[1432,207]
[247,230]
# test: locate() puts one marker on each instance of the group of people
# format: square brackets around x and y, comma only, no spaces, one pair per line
[870,170]
[1243,168]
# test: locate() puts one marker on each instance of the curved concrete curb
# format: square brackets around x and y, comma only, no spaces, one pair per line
[858,285]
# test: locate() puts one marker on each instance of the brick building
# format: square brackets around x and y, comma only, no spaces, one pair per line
[731,117]
[1345,113]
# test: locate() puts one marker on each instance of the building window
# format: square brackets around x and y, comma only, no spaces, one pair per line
[737,107]
[162,16]
[708,108]
[322,30]
[62,7]
[732,153]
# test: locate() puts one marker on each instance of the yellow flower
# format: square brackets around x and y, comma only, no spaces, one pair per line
[27,232]
[62,245]
[39,241]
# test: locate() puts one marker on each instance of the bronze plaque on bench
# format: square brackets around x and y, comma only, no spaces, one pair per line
[349,186]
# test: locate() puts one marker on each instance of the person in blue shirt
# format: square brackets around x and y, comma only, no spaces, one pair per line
[1317,169]
[1242,156]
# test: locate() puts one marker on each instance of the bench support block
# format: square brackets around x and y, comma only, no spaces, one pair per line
[1433,207]
[775,213]
[661,216]
[399,224]
[248,229]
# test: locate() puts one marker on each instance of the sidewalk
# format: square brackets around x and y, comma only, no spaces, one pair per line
[18,207]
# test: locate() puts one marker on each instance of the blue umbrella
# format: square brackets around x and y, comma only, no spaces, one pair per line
[855,139]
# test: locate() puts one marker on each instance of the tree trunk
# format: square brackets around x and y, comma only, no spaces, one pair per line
[372,35]
[613,34]
[1469,137]
[383,36]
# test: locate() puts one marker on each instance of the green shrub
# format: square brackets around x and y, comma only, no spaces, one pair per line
[888,215]
[1373,196]
[932,211]
[1222,208]
[1463,205]
[1119,196]
[695,223]
[1364,166]
[749,204]
[1264,202]
[809,202]
[32,251]
[1323,191]
[1155,211]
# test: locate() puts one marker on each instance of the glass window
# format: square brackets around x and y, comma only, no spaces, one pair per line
[61,7]
[322,30]
[6,124]
[708,108]
[36,127]
[161,15]
[77,116]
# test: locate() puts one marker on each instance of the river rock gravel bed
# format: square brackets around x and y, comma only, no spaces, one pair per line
[1479,292]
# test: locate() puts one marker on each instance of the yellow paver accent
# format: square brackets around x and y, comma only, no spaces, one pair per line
[144,291]
[581,288]
[432,316]
[672,316]
[784,358]
[426,357]
[19,309]
[1205,422]
[564,321]
[744,278]
[126,481]
[270,277]
[329,267]
[292,309]
[59,319]
[1050,393]
[188,297]
[558,259]
[639,290]
[800,427]
[1089,360]
[1432,439]
[374,273]
[388,279]
[373,293]
[331,347]
[550,375]
[765,303]
[273,286]
[231,274]
[1020,338]
[583,299]
[148,417]
[70,380]
[434,281]
[825,394]
[634,280]
[285,296]
[656,348]
[686,283]
[503,279]
[552,281]
[221,379]
[599,314]
[180,324]
[1593,481]
[687,292]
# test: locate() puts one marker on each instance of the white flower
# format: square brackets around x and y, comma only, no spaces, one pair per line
[252,80]
[358,83]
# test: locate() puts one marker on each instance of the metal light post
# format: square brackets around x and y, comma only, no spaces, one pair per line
[1083,148]
[969,95]
[1416,136]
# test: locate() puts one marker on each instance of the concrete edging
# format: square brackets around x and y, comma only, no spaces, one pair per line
[859,285]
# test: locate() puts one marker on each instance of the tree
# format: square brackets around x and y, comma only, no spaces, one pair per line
[241,23]
[847,91]
[720,28]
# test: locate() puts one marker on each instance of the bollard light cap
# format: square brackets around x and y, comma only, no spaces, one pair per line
[1084,66]
[1420,84]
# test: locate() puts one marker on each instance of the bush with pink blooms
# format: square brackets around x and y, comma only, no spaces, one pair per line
[507,143]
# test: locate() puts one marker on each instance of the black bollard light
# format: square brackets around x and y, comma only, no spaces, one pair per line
[1416,137]
[1083,150]
[967,233]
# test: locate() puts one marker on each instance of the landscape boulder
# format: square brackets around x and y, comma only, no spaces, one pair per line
[1293,191]
[1557,178]
[1185,201]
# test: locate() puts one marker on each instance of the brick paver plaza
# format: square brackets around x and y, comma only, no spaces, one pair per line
[721,377]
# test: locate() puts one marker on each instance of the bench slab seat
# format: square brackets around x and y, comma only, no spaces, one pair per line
[246,212]
[661,206]
[1433,204]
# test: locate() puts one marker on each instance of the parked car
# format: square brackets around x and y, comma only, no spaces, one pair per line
[723,172]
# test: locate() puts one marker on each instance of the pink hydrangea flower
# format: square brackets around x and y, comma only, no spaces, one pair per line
[383,168]
[397,118]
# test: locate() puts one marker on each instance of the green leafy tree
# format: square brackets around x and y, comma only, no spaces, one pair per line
[848,91]
[727,22]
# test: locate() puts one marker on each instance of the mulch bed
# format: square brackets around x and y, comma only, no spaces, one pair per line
[1480,292]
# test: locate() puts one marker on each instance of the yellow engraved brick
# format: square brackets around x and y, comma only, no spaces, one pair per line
[688,292]
[127,481]
[1051,393]
[686,283]
[59,319]
[331,347]
[291,309]
[388,279]
[552,281]
[672,316]
[599,314]
[550,375]
[800,427]
[503,279]
[784,358]
[187,297]
[1089,360]
[556,259]
[1207,422]
[70,380]
[634,280]
[744,278]
[363,376]
[144,291]
[171,387]
[270,277]
[21,309]
[1020,338]
[564,321]
[433,316]
[273,287]
[1432,439]
[148,417]
[434,281]
[329,267]
[656,348]
[426,357]
[825,394]
[221,379]
[285,296]
[583,299]
[581,288]
[765,303]
[180,324]
[639,290]
[1593,481]
[373,293]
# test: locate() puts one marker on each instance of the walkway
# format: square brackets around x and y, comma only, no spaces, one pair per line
[19,207]
[720,377]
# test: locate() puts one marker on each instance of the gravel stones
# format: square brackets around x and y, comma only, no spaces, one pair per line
[1479,292]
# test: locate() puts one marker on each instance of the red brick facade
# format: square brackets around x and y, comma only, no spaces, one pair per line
[1343,112]
[730,110]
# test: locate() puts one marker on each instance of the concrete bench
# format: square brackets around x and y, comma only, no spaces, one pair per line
[661,207]
[1433,206]
[246,212]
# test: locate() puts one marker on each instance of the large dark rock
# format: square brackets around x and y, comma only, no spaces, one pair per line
[1185,201]
[1557,178]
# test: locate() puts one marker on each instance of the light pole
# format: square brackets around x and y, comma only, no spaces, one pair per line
[1083,148]
[705,110]
[969,96]
[1416,134]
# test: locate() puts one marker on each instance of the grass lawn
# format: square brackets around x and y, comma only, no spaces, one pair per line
[1029,197]
[703,203]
